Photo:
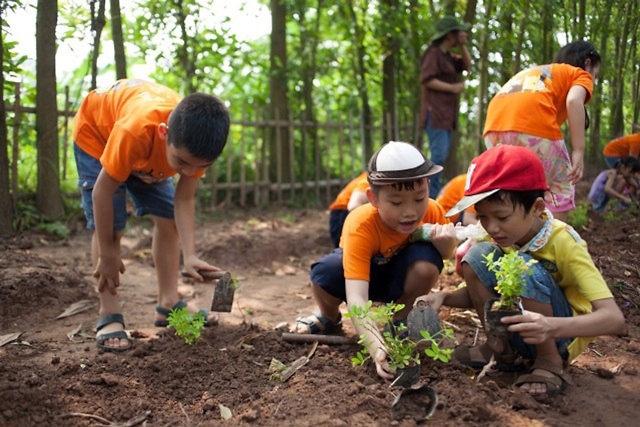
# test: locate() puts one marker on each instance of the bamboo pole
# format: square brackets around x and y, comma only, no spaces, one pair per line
[243,167]
[15,151]
[65,138]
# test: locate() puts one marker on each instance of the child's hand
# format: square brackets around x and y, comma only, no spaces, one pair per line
[382,365]
[432,299]
[108,272]
[192,264]
[443,237]
[534,328]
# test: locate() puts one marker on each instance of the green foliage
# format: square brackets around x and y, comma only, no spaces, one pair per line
[578,217]
[610,215]
[510,270]
[188,326]
[401,351]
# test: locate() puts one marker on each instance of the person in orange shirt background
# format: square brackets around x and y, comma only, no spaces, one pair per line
[351,196]
[530,109]
[450,194]
[129,140]
[620,148]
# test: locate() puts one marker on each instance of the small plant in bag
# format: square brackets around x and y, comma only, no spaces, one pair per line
[188,326]
[402,352]
[510,270]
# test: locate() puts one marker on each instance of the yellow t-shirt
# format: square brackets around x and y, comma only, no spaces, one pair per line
[119,126]
[566,257]
[364,236]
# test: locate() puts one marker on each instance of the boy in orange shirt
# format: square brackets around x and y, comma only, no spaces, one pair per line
[351,196]
[132,137]
[375,260]
[449,196]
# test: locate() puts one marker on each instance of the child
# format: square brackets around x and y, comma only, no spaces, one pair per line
[132,138]
[351,196]
[375,260]
[620,148]
[449,196]
[618,182]
[530,108]
[567,302]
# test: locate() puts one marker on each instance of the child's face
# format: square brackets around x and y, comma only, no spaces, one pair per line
[401,210]
[510,225]
[184,163]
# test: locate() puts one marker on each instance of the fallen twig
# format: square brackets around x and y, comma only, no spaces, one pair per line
[486,368]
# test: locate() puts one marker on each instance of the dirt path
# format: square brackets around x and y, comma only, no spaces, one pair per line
[47,378]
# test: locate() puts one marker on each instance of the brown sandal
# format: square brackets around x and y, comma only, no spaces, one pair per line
[556,384]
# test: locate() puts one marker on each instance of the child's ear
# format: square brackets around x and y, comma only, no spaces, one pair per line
[163,130]
[538,207]
[371,197]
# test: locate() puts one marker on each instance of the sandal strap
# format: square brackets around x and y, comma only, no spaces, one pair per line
[166,311]
[328,325]
[550,367]
[108,319]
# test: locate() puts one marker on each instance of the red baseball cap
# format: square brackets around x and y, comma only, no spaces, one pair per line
[504,167]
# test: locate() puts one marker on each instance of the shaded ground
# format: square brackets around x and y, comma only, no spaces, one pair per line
[53,374]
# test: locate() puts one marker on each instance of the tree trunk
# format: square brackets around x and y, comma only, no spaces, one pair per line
[118,40]
[279,150]
[97,24]
[48,196]
[186,60]
[6,204]
[361,79]
[390,49]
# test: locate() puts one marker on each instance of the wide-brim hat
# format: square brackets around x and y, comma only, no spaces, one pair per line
[504,167]
[398,161]
[447,24]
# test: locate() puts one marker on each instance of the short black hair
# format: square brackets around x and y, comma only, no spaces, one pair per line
[630,162]
[400,185]
[526,199]
[200,123]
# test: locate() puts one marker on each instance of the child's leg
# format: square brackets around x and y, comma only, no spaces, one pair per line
[109,304]
[328,288]
[413,272]
[88,169]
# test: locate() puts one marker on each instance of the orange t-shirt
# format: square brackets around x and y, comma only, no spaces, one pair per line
[624,146]
[358,183]
[534,100]
[119,126]
[364,236]
[452,193]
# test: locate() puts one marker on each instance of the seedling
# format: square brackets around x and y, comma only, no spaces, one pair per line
[188,326]
[510,270]
[401,351]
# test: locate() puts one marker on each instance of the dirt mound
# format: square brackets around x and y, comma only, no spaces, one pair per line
[53,374]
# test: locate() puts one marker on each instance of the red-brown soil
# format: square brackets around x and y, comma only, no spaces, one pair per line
[53,375]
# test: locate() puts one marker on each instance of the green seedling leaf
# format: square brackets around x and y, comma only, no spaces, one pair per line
[188,326]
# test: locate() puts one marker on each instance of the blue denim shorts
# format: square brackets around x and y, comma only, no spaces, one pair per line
[386,276]
[148,199]
[540,286]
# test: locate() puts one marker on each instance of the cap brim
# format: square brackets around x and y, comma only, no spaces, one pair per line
[467,201]
[382,181]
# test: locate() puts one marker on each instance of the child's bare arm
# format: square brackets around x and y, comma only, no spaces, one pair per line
[109,264]
[185,223]
[358,295]
[606,319]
